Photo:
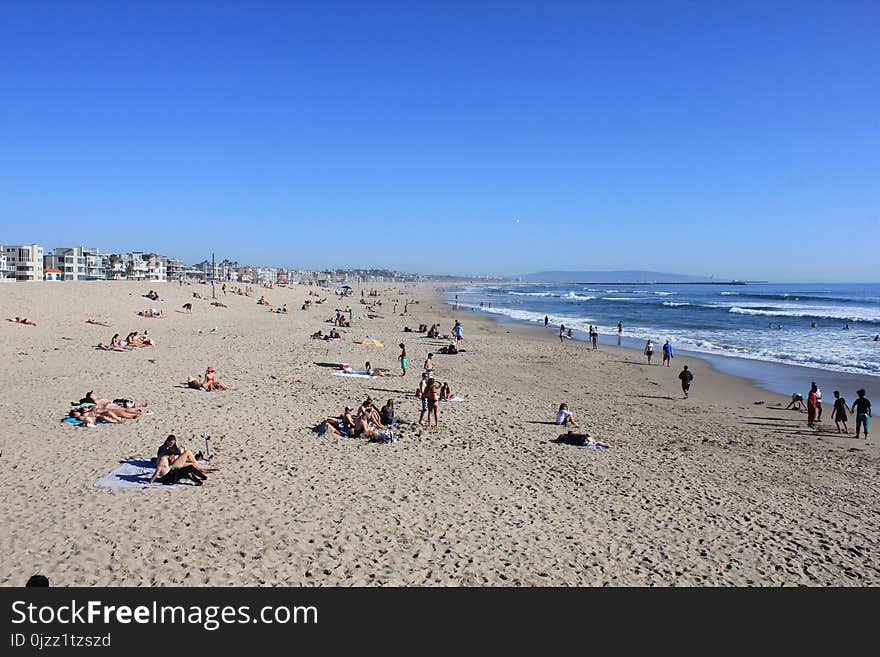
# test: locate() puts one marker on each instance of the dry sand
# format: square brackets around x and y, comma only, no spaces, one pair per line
[711,490]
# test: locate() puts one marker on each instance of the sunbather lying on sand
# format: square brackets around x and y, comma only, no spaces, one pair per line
[263,301]
[168,473]
[368,368]
[126,410]
[581,440]
[97,323]
[21,320]
[219,304]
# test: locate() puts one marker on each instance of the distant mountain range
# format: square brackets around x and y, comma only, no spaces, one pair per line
[628,276]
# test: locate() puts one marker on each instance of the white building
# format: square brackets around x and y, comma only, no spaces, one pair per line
[25,262]
[136,266]
[77,263]
[7,274]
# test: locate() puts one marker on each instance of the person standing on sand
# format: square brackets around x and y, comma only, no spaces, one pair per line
[432,389]
[561,332]
[594,336]
[811,404]
[429,365]
[420,393]
[402,358]
[667,353]
[686,377]
[862,408]
[649,350]
[838,413]
[818,404]
[546,320]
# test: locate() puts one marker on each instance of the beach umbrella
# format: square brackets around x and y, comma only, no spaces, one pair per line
[370,342]
[346,287]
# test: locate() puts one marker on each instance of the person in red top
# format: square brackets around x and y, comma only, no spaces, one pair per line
[811,404]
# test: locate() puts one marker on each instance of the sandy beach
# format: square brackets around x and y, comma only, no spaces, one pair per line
[712,490]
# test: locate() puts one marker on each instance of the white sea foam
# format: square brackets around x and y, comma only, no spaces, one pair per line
[676,304]
[852,314]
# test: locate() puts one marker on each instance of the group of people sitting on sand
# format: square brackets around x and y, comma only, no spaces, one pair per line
[368,422]
[339,320]
[21,320]
[133,340]
[332,335]
[282,310]
[175,463]
[209,383]
[151,313]
[90,409]
[152,295]
[263,301]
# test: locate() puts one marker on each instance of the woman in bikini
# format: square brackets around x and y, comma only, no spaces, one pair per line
[211,382]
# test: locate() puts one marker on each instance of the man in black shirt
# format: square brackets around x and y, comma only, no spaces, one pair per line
[862,408]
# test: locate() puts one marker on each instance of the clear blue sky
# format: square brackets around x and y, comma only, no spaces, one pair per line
[735,139]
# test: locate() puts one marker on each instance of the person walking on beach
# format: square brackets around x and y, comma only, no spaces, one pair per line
[594,336]
[619,328]
[561,332]
[862,408]
[402,358]
[667,353]
[457,331]
[546,320]
[811,404]
[649,350]
[838,414]
[686,377]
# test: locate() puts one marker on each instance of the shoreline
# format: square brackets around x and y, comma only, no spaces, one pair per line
[767,377]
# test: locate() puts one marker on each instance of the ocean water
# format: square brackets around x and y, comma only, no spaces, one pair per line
[738,321]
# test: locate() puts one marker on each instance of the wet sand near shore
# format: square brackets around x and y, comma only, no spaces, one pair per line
[712,490]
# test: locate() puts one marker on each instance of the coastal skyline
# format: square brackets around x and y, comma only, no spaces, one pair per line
[494,140]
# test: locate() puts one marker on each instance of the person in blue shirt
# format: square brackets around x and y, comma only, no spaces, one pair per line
[667,353]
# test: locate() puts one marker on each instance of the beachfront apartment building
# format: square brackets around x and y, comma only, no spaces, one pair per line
[76,263]
[25,262]
[137,266]
[266,275]
[6,272]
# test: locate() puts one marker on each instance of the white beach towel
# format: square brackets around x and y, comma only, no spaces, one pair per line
[133,473]
[358,374]
[456,398]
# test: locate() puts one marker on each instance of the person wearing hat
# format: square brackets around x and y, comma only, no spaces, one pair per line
[211,383]
[348,420]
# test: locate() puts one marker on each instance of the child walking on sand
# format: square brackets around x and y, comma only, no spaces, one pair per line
[838,413]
